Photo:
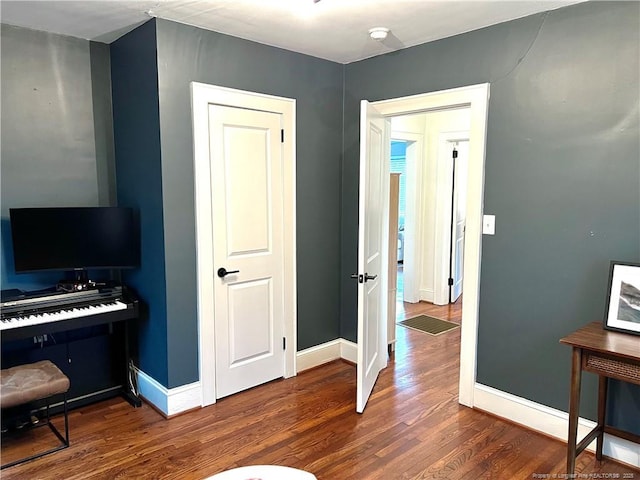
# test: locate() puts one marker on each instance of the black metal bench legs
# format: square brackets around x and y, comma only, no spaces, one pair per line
[39,381]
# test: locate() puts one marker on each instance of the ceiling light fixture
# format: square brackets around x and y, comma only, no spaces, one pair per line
[378,33]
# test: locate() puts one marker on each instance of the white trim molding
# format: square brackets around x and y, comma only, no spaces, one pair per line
[169,401]
[442,225]
[348,351]
[187,397]
[550,421]
[318,355]
[426,295]
[413,228]
[202,96]
[476,97]
[327,352]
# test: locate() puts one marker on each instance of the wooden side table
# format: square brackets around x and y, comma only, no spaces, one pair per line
[609,355]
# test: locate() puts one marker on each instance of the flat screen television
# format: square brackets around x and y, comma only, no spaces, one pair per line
[74,238]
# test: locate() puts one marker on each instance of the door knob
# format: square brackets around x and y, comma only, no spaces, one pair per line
[222,272]
[369,277]
[360,278]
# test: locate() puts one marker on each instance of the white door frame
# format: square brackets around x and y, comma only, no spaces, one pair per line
[442,230]
[476,97]
[203,95]
[413,211]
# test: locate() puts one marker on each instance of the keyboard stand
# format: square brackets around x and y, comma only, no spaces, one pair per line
[127,389]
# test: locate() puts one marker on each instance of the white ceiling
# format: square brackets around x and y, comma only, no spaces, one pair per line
[332,29]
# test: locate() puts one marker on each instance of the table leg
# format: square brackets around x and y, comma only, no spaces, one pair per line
[602,411]
[574,408]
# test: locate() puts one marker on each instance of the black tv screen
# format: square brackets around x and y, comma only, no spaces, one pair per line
[74,238]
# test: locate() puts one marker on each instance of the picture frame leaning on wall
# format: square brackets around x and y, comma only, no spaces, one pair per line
[622,313]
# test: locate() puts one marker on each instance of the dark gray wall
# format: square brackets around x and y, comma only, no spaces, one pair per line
[187,54]
[562,177]
[55,97]
[190,54]
[56,150]
[100,60]
[136,120]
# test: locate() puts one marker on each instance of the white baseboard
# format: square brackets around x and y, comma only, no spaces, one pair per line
[426,295]
[318,355]
[549,421]
[186,397]
[169,401]
[326,352]
[348,351]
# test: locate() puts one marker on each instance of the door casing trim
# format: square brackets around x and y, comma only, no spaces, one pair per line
[476,97]
[203,95]
[413,229]
[443,234]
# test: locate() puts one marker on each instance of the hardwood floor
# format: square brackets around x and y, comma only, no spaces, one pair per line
[412,428]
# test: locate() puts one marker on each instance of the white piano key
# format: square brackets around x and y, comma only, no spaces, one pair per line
[41,318]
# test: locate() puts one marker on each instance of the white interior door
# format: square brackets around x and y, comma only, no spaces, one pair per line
[460,218]
[247,210]
[373,248]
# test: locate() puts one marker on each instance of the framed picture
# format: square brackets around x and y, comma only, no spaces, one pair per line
[623,305]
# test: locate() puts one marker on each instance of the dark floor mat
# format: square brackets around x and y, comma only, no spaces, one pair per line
[430,325]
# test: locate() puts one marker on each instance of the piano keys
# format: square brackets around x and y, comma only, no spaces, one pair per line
[39,318]
[55,312]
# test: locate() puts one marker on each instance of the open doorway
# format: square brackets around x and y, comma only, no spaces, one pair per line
[428,162]
[451,206]
[475,98]
[459,153]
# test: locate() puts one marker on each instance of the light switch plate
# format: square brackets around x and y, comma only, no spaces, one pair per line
[488,224]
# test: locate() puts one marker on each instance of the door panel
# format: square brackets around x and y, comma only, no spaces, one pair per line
[246,169]
[373,334]
[247,205]
[250,323]
[372,230]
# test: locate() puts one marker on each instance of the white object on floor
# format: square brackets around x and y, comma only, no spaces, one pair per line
[263,472]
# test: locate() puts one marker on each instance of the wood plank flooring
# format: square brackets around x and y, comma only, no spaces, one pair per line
[412,428]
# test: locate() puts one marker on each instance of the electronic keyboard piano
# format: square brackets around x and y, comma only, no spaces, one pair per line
[47,312]
[56,312]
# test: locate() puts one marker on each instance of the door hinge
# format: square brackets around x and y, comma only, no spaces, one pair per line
[284,343]
[451,282]
[282,135]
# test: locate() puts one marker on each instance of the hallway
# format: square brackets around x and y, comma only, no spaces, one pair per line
[452,312]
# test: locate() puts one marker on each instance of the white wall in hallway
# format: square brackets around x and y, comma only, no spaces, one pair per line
[430,125]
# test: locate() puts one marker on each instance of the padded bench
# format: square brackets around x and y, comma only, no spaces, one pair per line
[28,383]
